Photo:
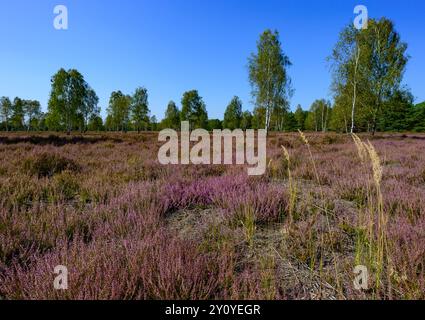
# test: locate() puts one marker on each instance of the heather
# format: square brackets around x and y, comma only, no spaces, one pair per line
[129,228]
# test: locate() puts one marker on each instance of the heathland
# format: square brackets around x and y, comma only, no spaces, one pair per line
[127,227]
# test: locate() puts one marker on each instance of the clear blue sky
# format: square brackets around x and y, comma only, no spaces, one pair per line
[171,46]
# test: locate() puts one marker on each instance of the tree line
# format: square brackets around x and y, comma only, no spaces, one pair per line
[19,114]
[367,69]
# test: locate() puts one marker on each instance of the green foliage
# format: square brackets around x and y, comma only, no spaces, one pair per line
[90,108]
[214,124]
[71,102]
[388,59]
[368,67]
[5,111]
[271,85]
[118,111]
[48,164]
[290,123]
[153,124]
[140,109]
[194,110]
[300,116]
[259,118]
[416,118]
[109,123]
[33,112]
[246,120]
[96,123]
[18,114]
[318,116]
[39,123]
[172,117]
[233,114]
[65,186]
[395,114]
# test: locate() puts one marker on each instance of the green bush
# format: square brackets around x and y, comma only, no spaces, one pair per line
[49,164]
[65,186]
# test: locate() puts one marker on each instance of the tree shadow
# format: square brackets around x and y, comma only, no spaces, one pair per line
[55,140]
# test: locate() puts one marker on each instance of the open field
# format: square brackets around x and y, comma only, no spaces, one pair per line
[127,227]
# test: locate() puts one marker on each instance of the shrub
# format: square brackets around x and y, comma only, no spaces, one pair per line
[66,185]
[49,164]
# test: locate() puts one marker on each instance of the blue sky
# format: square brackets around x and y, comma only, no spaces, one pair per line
[171,46]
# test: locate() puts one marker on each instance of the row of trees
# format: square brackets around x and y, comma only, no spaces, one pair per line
[19,114]
[367,67]
[398,114]
[127,112]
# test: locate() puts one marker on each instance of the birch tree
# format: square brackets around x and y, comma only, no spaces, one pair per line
[119,111]
[32,111]
[271,85]
[140,109]
[5,110]
[347,67]
[68,99]
[368,66]
[387,62]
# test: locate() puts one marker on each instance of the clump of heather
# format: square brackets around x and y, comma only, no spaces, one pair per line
[48,164]
[408,256]
[232,193]
[157,266]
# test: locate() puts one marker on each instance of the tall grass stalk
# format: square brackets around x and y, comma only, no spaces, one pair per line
[372,227]
[248,225]
[292,189]
[321,235]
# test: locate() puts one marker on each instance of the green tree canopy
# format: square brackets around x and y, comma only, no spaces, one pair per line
[246,120]
[318,116]
[417,118]
[119,111]
[89,109]
[368,67]
[172,116]
[214,124]
[71,100]
[17,119]
[140,109]
[33,112]
[194,110]
[6,111]
[300,115]
[233,114]
[271,85]
[95,123]
[396,111]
